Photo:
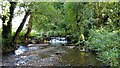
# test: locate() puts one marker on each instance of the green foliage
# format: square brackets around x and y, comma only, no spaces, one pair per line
[106,43]
[48,17]
[43,15]
[98,22]
[110,57]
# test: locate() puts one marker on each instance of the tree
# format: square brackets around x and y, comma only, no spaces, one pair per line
[43,16]
[7,16]
[7,27]
[20,27]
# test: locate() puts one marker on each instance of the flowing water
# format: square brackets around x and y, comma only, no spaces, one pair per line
[51,56]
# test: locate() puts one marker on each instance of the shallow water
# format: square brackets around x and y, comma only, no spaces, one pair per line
[74,57]
[52,56]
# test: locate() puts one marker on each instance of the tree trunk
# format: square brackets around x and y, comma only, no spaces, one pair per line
[7,28]
[28,29]
[20,27]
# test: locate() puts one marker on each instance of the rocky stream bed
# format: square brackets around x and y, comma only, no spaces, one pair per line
[46,55]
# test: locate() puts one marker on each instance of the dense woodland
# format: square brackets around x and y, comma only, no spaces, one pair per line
[96,25]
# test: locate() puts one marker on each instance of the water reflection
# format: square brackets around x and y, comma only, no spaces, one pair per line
[76,58]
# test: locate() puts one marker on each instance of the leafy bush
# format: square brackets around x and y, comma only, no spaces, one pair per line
[106,43]
[111,57]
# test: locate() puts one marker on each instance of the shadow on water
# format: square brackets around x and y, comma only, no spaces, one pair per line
[74,57]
